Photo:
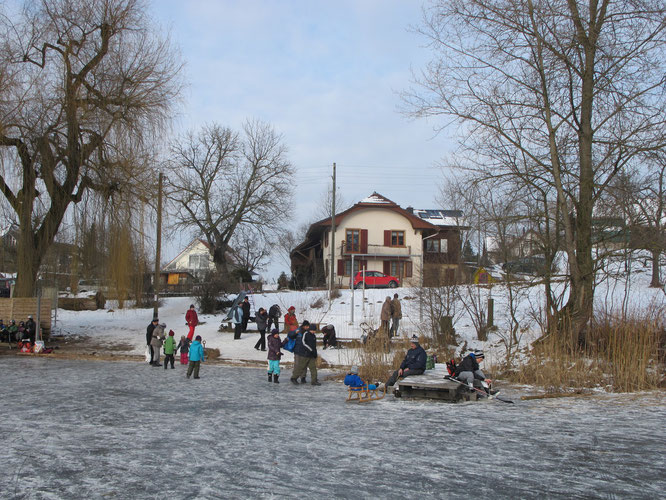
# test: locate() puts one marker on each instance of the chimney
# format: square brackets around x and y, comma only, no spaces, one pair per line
[410,209]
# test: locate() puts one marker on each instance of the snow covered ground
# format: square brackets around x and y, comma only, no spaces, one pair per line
[85,429]
[128,326]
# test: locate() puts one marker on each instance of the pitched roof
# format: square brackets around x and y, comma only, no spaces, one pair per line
[376,200]
[188,247]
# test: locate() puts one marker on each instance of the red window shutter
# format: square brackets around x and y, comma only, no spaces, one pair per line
[387,265]
[387,240]
[364,241]
[341,267]
[363,264]
[408,269]
[326,239]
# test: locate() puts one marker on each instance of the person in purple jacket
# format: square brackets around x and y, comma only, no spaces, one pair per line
[274,355]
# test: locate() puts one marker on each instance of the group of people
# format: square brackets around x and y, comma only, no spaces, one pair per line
[390,315]
[23,331]
[191,351]
[415,364]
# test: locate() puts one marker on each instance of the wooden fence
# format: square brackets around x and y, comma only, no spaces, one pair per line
[20,308]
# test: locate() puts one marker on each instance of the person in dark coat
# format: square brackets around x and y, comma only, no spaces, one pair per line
[330,340]
[413,364]
[31,329]
[149,337]
[261,319]
[246,312]
[305,354]
[274,355]
[274,314]
[468,370]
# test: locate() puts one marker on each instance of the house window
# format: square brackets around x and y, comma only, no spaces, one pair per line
[400,268]
[353,241]
[198,261]
[397,238]
[437,246]
[357,267]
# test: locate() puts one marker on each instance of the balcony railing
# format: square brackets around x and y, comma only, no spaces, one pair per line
[380,250]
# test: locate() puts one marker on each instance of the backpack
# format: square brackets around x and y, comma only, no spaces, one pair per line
[289,344]
[274,311]
[452,367]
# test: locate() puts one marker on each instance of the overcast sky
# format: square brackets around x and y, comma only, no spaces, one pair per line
[326,76]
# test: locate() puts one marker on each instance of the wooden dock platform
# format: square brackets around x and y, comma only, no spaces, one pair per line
[433,385]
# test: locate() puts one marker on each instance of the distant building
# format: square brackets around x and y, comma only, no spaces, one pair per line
[194,260]
[376,234]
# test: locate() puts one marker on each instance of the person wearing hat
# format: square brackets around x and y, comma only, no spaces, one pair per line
[330,339]
[305,354]
[191,320]
[274,355]
[413,364]
[31,329]
[290,321]
[149,338]
[169,349]
[468,370]
[355,382]
[261,319]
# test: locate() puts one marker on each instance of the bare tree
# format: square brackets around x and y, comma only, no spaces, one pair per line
[89,82]
[563,94]
[250,249]
[221,181]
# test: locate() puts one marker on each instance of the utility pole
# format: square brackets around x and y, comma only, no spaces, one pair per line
[158,249]
[330,285]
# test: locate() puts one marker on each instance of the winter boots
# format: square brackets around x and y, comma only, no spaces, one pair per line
[294,381]
[270,377]
[275,379]
[302,380]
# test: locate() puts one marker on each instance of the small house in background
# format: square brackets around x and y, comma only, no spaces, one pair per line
[192,264]
[378,235]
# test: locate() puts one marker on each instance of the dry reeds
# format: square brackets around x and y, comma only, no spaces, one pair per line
[621,355]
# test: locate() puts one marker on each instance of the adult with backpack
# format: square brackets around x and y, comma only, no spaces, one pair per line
[305,354]
[274,314]
[469,370]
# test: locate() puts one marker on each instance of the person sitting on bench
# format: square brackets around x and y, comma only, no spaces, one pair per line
[330,339]
[413,364]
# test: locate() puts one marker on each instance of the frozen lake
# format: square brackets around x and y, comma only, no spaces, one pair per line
[80,429]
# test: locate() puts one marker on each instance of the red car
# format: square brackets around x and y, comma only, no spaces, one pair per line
[375,279]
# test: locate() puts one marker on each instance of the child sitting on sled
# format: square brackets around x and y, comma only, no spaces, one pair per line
[355,382]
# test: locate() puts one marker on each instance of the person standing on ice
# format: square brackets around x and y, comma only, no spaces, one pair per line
[191,320]
[149,338]
[196,357]
[290,321]
[305,354]
[156,343]
[274,355]
[169,349]
[468,370]
[413,364]
[237,318]
[184,346]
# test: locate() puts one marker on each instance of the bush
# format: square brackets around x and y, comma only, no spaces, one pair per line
[624,354]
[207,293]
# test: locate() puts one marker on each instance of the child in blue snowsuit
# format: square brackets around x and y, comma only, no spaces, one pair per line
[355,382]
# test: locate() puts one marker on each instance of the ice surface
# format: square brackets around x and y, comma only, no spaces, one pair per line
[84,429]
